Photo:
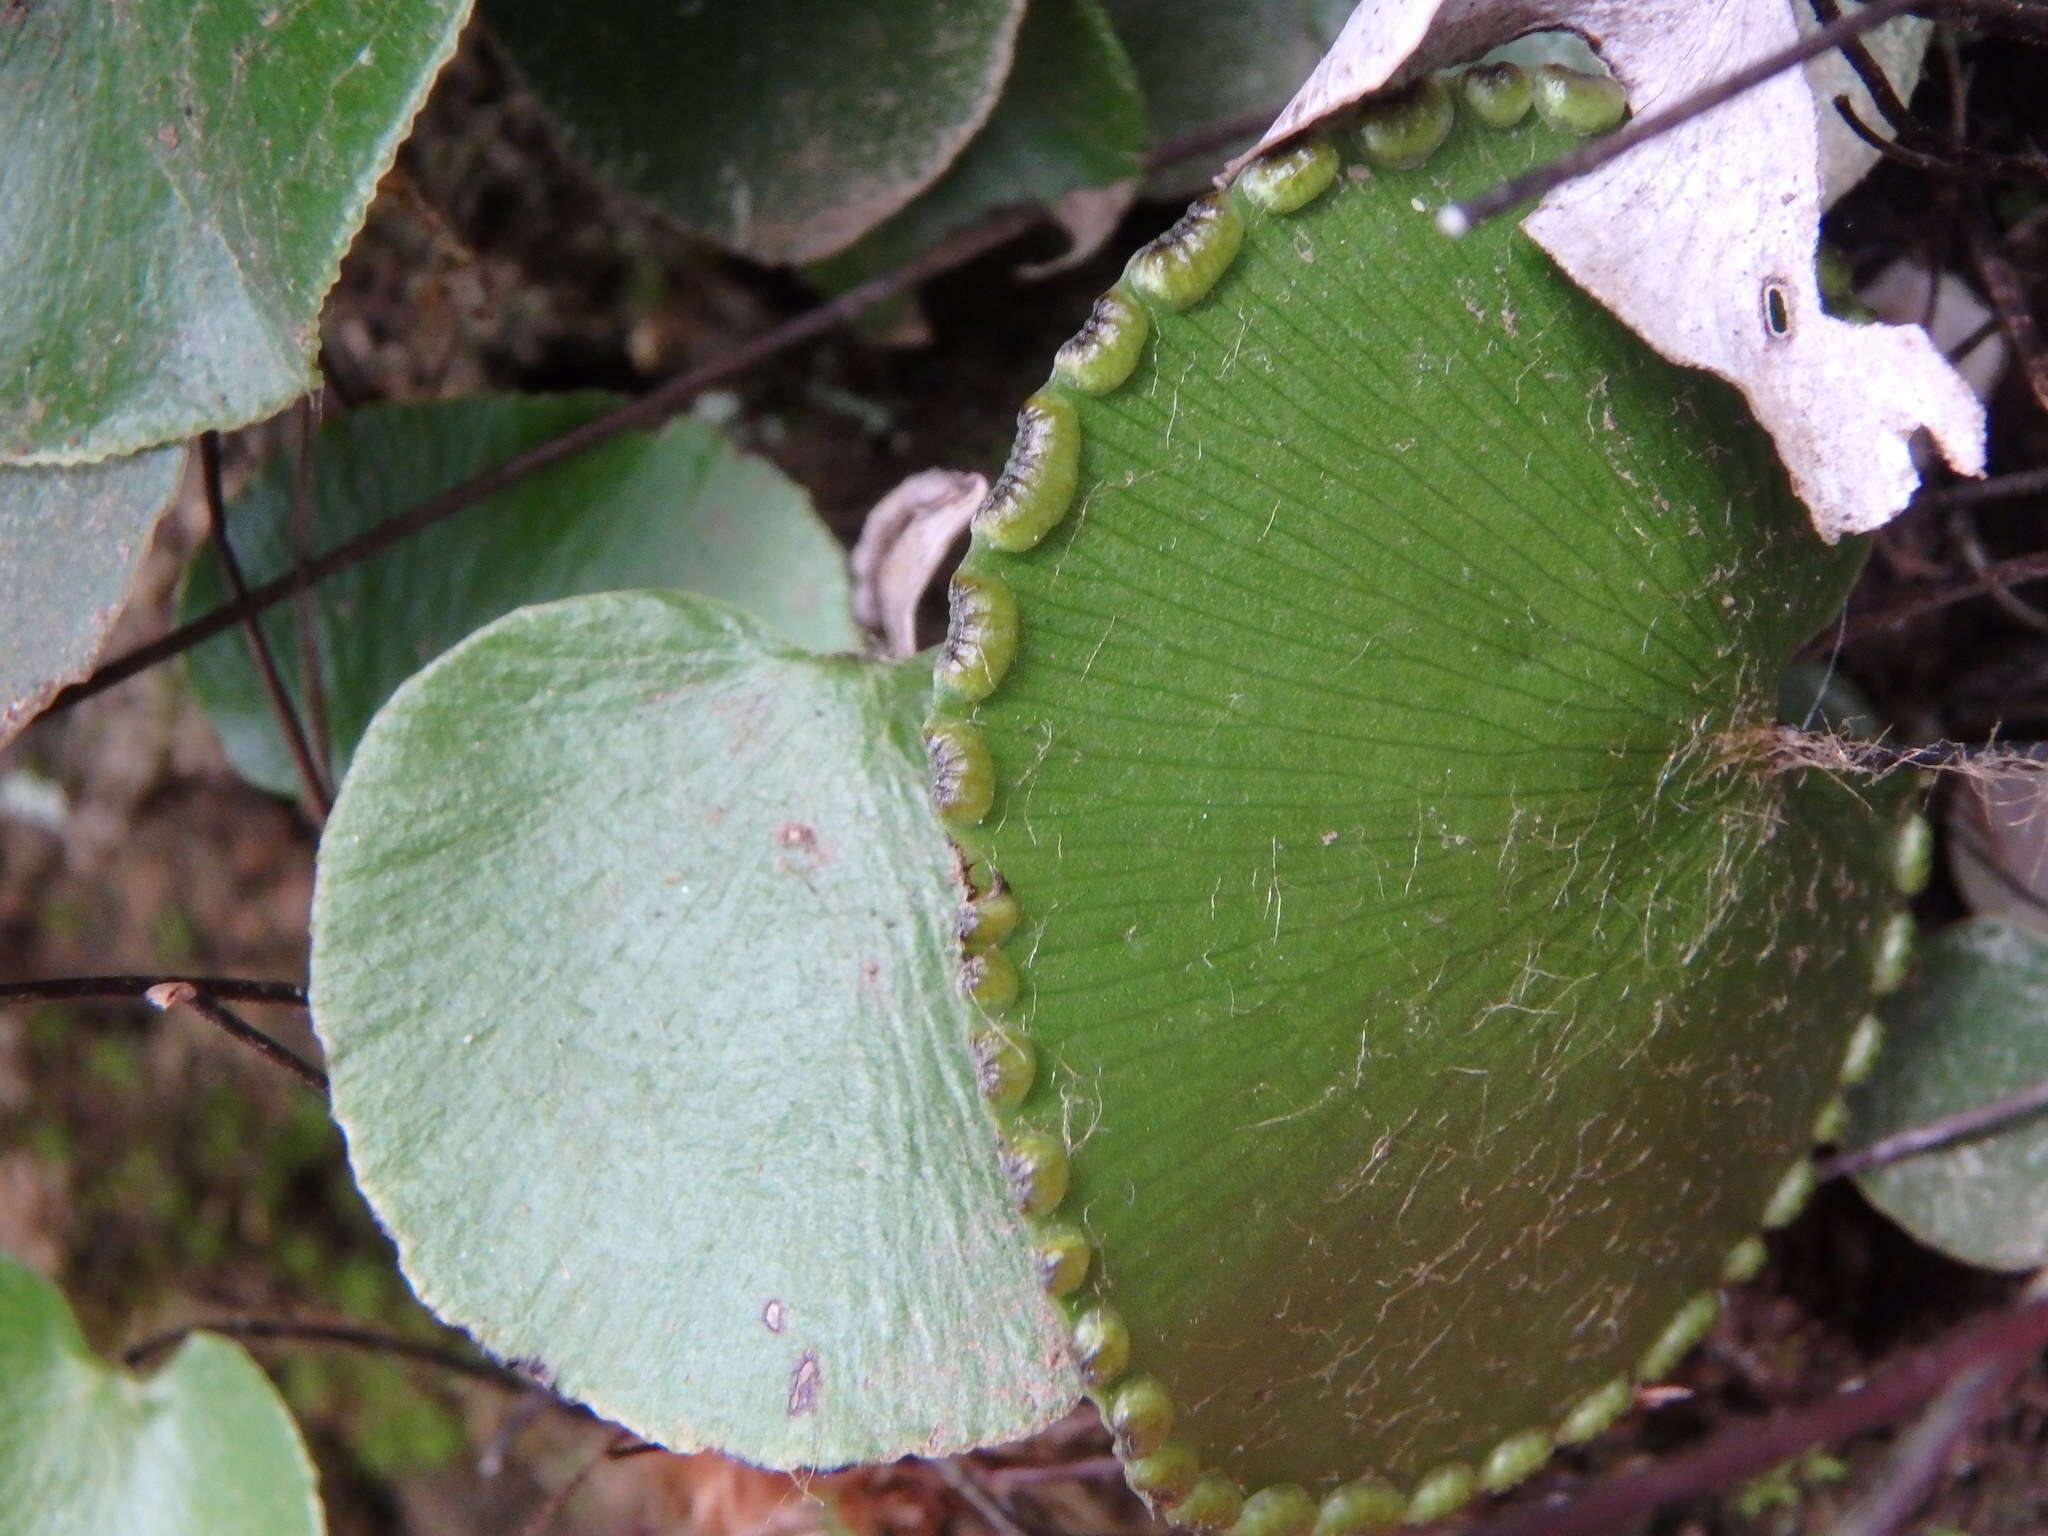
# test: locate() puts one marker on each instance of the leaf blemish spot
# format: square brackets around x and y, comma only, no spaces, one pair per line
[804,1379]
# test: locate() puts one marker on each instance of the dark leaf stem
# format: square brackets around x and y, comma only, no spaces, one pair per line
[1457,218]
[647,411]
[229,988]
[291,1331]
[1749,1448]
[312,784]
[1946,1131]
[182,994]
[202,995]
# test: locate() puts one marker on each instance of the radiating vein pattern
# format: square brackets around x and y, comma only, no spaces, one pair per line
[1426,997]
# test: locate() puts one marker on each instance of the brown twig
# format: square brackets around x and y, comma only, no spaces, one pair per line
[182,994]
[1868,70]
[1925,1450]
[232,988]
[965,1481]
[1001,1480]
[311,782]
[2009,302]
[648,410]
[1956,161]
[2000,573]
[1945,1131]
[1749,1448]
[618,1448]
[291,1331]
[311,689]
[1457,218]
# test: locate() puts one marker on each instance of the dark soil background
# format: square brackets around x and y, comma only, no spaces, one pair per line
[162,1175]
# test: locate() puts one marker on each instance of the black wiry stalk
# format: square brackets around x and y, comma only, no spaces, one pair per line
[311,782]
[1963,1125]
[647,411]
[289,1331]
[311,689]
[231,988]
[182,994]
[1457,218]
[201,995]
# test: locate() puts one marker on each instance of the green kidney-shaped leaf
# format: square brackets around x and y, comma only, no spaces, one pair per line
[179,184]
[1070,118]
[202,1448]
[633,960]
[1973,1028]
[678,507]
[70,539]
[1205,63]
[1434,984]
[785,129]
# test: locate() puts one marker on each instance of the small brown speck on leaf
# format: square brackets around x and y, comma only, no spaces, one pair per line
[771,1315]
[804,1377]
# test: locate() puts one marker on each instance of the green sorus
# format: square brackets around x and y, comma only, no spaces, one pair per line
[1361,1507]
[1284,1509]
[1892,956]
[1790,1196]
[1913,855]
[1036,1165]
[1103,353]
[1061,1254]
[1004,1060]
[1688,1325]
[1036,487]
[987,976]
[1213,1504]
[1574,101]
[963,778]
[1499,95]
[1102,1345]
[1402,130]
[1140,1414]
[1514,1459]
[989,919]
[1596,1411]
[1165,1475]
[1288,180]
[1859,1057]
[1358,785]
[1177,270]
[981,636]
[1745,1261]
[1441,1492]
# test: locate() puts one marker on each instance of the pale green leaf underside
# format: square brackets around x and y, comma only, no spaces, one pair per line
[677,508]
[1973,1028]
[203,1447]
[70,540]
[784,129]
[1428,1002]
[633,962]
[179,184]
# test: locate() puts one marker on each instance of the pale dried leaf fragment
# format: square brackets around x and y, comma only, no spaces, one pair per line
[904,541]
[1702,239]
